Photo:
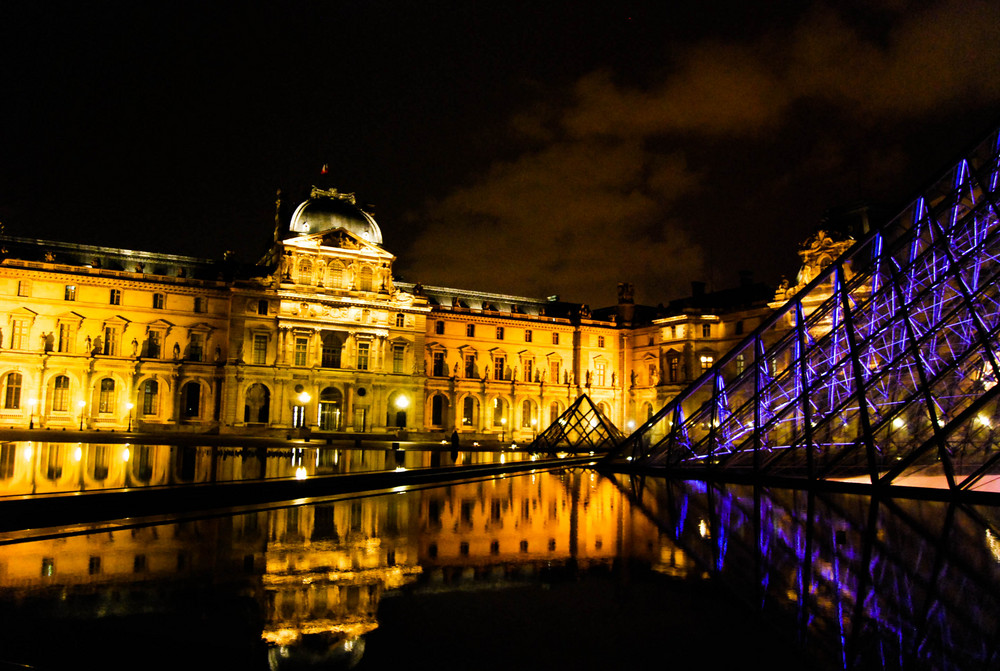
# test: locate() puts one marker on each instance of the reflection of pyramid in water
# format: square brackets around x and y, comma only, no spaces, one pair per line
[883,368]
[582,428]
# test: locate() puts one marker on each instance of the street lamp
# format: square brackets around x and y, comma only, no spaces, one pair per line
[304,399]
[81,404]
[31,414]
[129,406]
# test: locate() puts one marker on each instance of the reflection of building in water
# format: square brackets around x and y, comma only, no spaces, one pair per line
[327,565]
[320,335]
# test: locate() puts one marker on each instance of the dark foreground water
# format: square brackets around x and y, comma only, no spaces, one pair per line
[546,570]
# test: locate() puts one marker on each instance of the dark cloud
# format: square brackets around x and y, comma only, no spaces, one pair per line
[620,181]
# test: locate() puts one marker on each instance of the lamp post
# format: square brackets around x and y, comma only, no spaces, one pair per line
[81,404]
[129,406]
[31,412]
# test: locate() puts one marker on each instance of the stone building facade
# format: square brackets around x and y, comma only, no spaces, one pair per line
[320,337]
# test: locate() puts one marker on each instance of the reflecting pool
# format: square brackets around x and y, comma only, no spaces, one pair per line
[553,569]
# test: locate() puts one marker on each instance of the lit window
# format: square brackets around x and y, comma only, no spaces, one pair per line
[439,328]
[498,412]
[70,292]
[301,351]
[527,335]
[158,301]
[115,297]
[706,362]
[362,356]
[555,338]
[470,330]
[499,333]
[741,363]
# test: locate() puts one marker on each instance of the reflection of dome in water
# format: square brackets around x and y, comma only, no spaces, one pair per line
[327,210]
[317,651]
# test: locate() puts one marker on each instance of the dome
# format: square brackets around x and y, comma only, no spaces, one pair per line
[327,210]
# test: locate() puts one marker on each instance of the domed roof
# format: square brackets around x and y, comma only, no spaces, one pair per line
[327,210]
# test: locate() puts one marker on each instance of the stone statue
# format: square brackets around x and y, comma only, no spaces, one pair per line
[135,347]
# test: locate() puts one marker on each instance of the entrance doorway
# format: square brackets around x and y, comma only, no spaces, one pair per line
[330,409]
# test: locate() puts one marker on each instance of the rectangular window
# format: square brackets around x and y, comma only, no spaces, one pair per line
[741,363]
[362,356]
[470,365]
[499,365]
[706,330]
[106,399]
[6,461]
[440,365]
[470,330]
[67,333]
[600,369]
[260,349]
[70,292]
[529,370]
[330,356]
[19,334]
[398,352]
[400,320]
[527,335]
[157,301]
[555,338]
[196,350]
[110,345]
[115,297]
[200,304]
[600,341]
[439,328]
[301,351]
[154,345]
[706,362]
[499,333]
[674,369]
[554,372]
[262,307]
[24,288]
[60,394]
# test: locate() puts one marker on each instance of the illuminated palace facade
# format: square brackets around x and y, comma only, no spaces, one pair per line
[320,337]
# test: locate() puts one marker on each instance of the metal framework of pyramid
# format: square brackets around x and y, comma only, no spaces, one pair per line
[882,370]
[581,428]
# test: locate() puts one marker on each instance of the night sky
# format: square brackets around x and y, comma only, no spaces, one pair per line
[531,148]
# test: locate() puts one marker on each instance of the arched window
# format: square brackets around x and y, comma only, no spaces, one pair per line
[191,399]
[257,406]
[150,393]
[469,411]
[60,394]
[12,391]
[335,277]
[527,414]
[499,412]
[106,398]
[365,279]
[437,410]
[305,271]
[554,411]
